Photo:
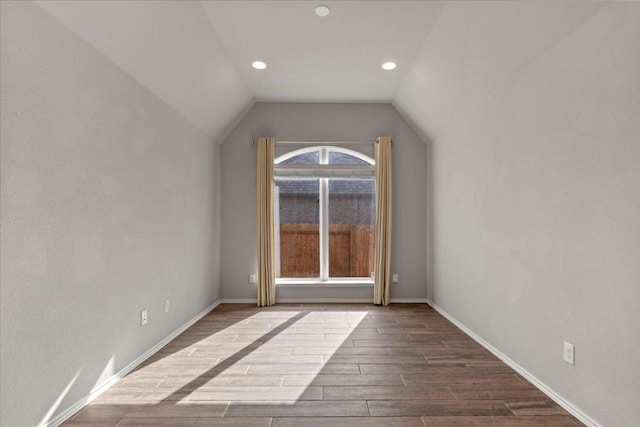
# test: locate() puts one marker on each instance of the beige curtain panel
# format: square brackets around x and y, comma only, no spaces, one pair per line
[265,226]
[382,272]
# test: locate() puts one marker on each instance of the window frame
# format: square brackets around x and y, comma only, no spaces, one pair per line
[322,171]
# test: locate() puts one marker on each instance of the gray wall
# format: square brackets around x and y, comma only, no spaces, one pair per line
[322,121]
[537,216]
[109,205]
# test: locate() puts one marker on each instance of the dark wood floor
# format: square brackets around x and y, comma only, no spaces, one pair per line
[323,365]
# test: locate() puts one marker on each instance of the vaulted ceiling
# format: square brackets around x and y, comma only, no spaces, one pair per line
[196,55]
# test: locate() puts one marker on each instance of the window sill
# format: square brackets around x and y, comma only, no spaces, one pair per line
[334,283]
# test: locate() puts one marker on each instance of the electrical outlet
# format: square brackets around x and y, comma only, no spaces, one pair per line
[396,278]
[167,305]
[569,353]
[143,318]
[253,278]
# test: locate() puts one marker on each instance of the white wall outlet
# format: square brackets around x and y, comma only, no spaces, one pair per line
[167,305]
[253,278]
[143,318]
[395,278]
[569,353]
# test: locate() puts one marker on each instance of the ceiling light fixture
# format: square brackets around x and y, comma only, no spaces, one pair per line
[259,65]
[322,11]
[388,66]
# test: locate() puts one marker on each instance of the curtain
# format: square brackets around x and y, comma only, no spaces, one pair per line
[265,226]
[382,269]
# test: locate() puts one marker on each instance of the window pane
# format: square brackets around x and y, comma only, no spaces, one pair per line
[351,223]
[312,158]
[337,158]
[297,228]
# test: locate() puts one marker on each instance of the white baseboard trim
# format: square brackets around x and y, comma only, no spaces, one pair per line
[409,301]
[239,301]
[553,395]
[67,413]
[298,300]
[325,301]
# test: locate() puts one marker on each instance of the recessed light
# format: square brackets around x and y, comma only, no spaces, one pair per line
[322,11]
[259,65]
[389,66]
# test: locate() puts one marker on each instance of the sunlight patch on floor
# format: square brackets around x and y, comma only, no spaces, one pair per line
[243,362]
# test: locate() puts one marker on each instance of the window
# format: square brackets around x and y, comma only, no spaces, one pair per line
[324,216]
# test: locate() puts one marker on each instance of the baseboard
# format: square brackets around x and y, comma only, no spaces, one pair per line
[67,413]
[299,300]
[553,395]
[325,301]
[239,301]
[408,301]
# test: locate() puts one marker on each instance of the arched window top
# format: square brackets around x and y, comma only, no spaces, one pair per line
[324,155]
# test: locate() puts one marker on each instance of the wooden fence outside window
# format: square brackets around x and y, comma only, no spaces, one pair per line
[351,252]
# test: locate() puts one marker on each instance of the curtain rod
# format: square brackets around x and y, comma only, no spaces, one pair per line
[319,141]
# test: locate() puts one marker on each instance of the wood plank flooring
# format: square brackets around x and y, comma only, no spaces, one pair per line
[323,365]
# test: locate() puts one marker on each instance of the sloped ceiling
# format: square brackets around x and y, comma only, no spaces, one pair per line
[474,49]
[196,55]
[168,46]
